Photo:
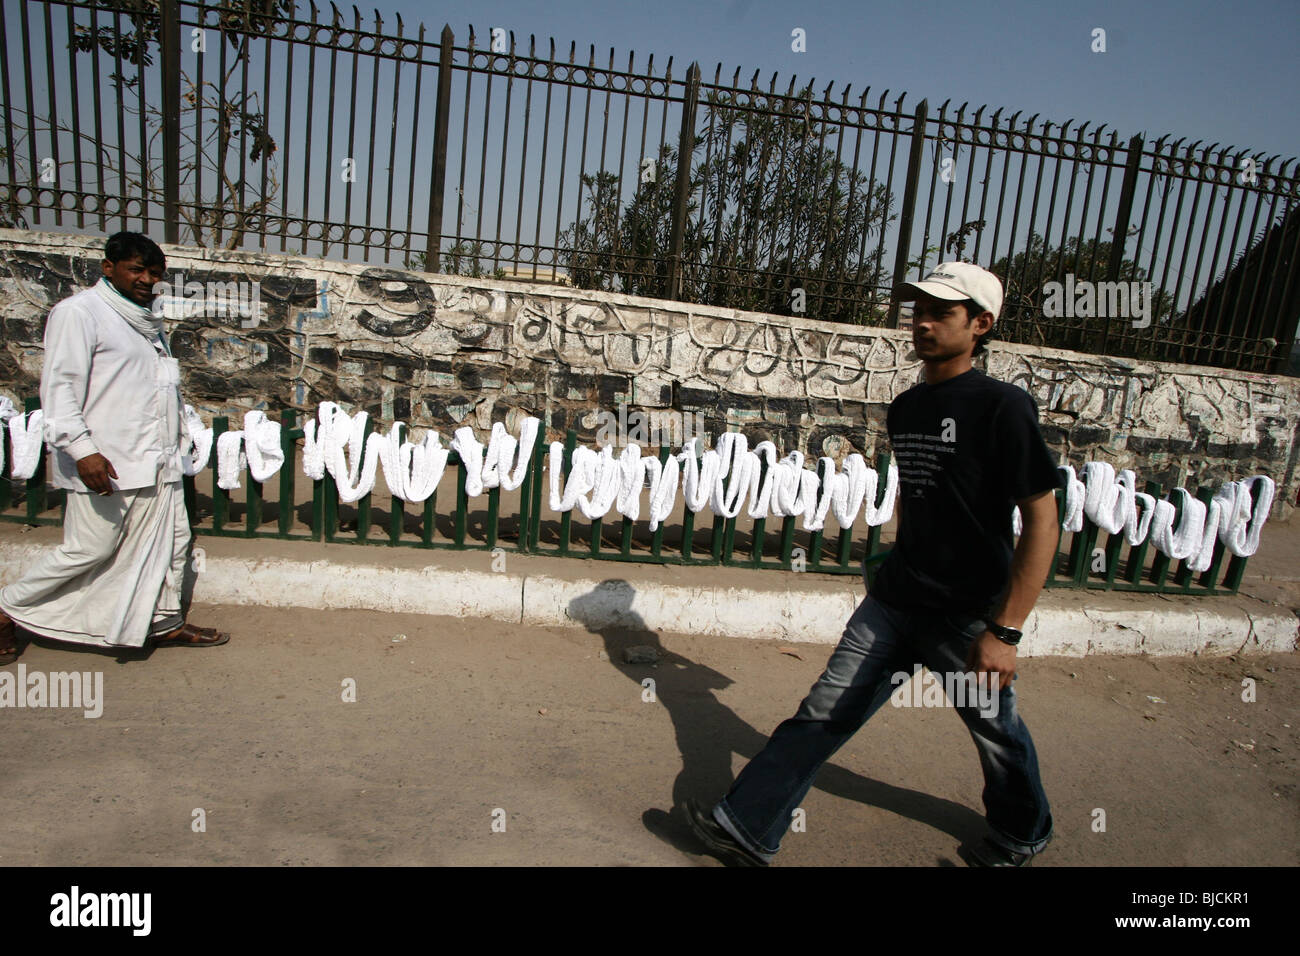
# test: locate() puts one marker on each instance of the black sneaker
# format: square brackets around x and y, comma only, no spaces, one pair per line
[989,853]
[718,841]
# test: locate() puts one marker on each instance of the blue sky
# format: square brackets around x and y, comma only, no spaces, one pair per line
[1194,69]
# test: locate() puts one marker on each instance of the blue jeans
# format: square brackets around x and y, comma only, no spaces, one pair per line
[880,641]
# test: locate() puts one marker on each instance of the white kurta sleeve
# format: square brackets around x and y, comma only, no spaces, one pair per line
[69,346]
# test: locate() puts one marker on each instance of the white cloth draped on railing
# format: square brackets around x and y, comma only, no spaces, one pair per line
[728,478]
[336,443]
[26,436]
[1111,503]
[7,411]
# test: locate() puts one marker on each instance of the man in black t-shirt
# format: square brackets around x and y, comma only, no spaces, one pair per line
[952,595]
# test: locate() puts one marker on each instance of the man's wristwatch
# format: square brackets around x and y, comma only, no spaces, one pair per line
[1007,635]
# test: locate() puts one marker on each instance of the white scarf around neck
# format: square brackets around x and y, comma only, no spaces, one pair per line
[137,316]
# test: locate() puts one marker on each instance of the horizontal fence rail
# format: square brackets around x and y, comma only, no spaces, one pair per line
[282,126]
[1088,558]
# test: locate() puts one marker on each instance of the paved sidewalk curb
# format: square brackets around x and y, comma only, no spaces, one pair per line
[562,592]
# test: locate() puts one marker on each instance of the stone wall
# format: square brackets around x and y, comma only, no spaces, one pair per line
[443,351]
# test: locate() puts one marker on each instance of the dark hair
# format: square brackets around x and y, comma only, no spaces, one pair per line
[128,245]
[973,309]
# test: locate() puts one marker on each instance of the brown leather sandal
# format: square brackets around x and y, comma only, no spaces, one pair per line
[192,636]
[8,642]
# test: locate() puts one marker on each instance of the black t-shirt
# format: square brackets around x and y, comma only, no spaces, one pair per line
[967,450]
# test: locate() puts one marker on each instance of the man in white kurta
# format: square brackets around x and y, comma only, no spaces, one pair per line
[110,391]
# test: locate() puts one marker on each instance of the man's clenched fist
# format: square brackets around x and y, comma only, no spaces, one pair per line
[96,470]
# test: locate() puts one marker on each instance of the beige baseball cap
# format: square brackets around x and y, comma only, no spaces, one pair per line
[955,281]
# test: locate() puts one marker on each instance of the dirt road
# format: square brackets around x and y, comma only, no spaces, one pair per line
[455,719]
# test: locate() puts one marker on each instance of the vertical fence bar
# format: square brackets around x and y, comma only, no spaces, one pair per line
[318,509]
[526,499]
[35,488]
[787,541]
[252,505]
[288,472]
[429,520]
[1210,577]
[220,496]
[1077,566]
[688,523]
[191,499]
[908,212]
[566,519]
[535,509]
[1137,556]
[1237,566]
[1123,214]
[330,496]
[170,40]
[682,193]
[6,486]
[1160,564]
[625,538]
[1185,576]
[1083,564]
[815,540]
[438,168]
[759,528]
[728,539]
[1113,546]
[462,502]
[364,505]
[873,532]
[845,546]
[657,540]
[396,507]
[494,504]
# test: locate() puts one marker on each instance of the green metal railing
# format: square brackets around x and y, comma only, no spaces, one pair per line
[1089,558]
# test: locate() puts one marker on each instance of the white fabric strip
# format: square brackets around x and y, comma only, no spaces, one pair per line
[728,478]
[26,434]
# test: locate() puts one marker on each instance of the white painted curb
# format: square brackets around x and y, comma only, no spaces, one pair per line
[1203,626]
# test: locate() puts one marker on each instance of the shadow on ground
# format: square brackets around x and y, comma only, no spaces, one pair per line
[708,732]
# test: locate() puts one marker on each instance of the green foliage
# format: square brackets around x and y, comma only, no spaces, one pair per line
[771,210]
[463,259]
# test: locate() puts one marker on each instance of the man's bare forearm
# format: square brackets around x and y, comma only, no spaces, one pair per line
[1031,560]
